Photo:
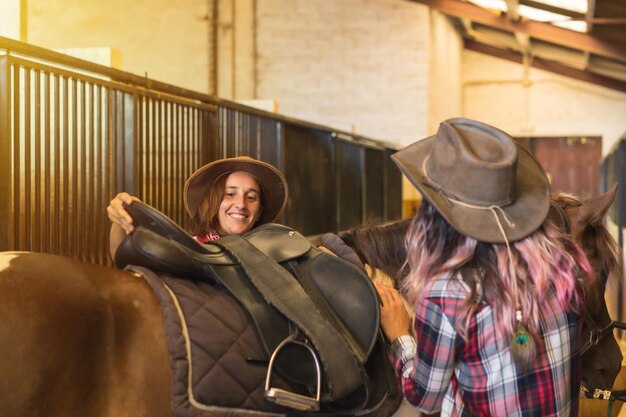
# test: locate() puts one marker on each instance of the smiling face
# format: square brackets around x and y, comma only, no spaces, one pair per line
[241,205]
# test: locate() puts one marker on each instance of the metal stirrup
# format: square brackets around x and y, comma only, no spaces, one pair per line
[288,398]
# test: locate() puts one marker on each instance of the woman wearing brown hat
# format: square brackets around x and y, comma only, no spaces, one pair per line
[494,288]
[227,196]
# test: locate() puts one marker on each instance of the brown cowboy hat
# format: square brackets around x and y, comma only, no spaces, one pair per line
[472,172]
[271,180]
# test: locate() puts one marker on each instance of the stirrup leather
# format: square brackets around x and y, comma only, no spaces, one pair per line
[291,399]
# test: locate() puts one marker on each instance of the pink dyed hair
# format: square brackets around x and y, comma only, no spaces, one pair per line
[545,258]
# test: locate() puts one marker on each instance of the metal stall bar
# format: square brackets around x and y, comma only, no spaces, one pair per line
[7,240]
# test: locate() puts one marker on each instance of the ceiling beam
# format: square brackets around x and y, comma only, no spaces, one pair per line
[547,65]
[549,8]
[512,10]
[538,30]
[591,11]
[607,20]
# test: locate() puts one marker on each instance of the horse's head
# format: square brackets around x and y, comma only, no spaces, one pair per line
[602,361]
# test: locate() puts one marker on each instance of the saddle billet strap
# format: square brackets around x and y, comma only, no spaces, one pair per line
[345,373]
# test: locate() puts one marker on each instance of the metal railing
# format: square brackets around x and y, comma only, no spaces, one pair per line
[74,133]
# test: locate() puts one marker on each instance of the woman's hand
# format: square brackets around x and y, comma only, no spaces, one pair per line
[394,319]
[118,215]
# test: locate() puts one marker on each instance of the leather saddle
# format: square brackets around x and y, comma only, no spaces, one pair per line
[316,315]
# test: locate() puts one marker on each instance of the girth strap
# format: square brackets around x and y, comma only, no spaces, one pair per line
[279,288]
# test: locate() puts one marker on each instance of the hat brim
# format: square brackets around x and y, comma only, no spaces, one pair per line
[272,182]
[526,213]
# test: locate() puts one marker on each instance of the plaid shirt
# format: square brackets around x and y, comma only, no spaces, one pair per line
[477,377]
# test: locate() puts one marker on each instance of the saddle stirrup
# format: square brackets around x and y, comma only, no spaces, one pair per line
[291,399]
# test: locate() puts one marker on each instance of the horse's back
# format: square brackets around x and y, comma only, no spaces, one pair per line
[79,339]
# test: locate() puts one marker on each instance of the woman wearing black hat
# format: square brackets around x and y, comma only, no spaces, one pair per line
[227,196]
[494,288]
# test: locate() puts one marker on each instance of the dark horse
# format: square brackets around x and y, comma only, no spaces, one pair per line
[78,339]
[383,249]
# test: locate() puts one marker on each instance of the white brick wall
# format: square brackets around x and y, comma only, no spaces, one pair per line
[445,71]
[10,11]
[553,105]
[359,64]
[159,37]
[390,69]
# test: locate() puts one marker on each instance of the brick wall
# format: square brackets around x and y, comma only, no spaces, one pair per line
[159,37]
[350,64]
[551,105]
[446,49]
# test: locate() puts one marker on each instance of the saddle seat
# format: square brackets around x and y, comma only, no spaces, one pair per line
[342,293]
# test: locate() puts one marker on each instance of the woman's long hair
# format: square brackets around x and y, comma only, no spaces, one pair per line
[206,219]
[546,258]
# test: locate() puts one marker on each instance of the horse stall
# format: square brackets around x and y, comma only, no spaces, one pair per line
[74,133]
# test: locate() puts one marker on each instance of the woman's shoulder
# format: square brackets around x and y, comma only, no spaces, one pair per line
[448,286]
[449,294]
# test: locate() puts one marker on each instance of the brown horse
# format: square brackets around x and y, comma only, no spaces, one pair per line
[78,339]
[383,248]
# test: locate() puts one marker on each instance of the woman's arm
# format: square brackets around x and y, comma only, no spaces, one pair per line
[423,373]
[394,319]
[121,222]
[426,374]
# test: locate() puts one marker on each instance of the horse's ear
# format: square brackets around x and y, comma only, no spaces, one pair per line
[594,210]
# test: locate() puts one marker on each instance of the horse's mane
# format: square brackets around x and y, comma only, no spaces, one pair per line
[596,240]
[381,246]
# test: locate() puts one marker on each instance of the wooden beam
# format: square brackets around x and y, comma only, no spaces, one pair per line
[538,30]
[553,9]
[512,10]
[547,65]
[606,20]
[591,12]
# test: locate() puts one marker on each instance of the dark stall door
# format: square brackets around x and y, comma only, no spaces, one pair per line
[572,163]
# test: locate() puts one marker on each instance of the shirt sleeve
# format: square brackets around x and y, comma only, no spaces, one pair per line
[425,374]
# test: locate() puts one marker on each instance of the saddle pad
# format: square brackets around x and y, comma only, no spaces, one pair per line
[214,351]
